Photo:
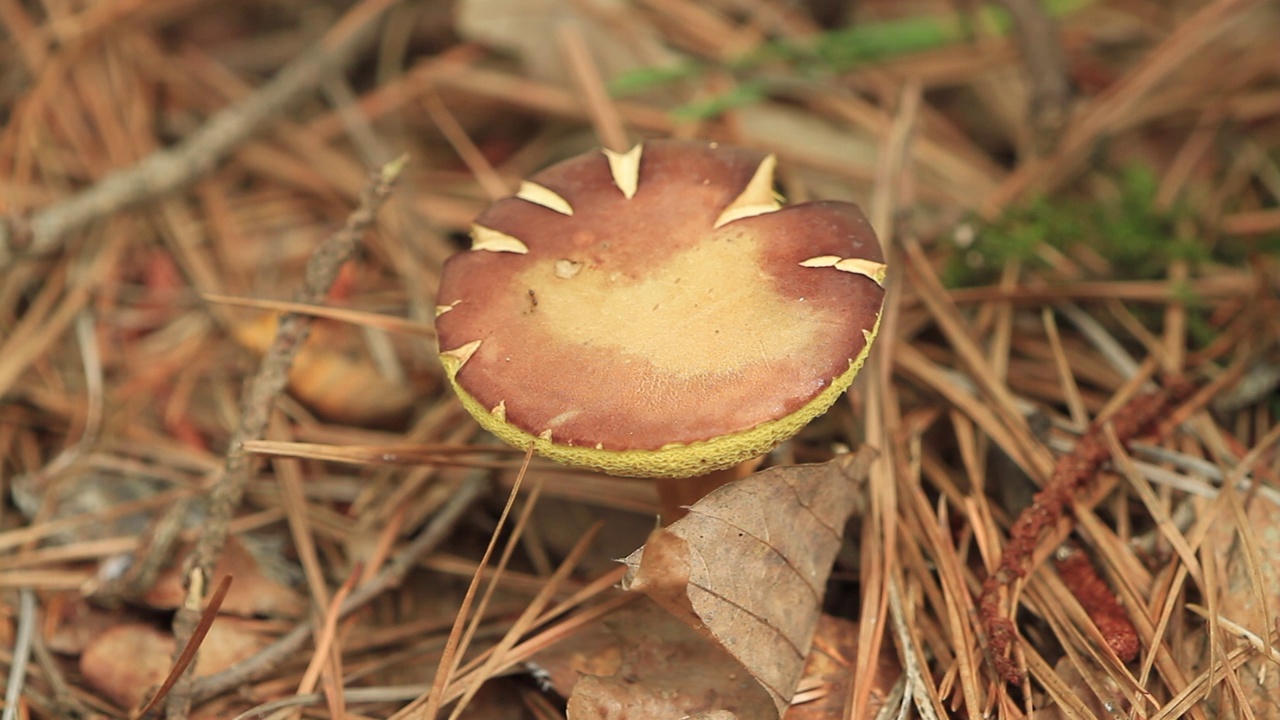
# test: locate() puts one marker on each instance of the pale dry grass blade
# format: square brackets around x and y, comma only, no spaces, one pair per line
[442,454]
[494,185]
[1185,702]
[590,85]
[927,702]
[1120,458]
[1068,702]
[290,473]
[1257,642]
[456,645]
[956,604]
[1070,390]
[917,365]
[527,621]
[1040,464]
[326,636]
[353,317]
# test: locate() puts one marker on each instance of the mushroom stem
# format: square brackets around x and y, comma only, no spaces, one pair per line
[675,495]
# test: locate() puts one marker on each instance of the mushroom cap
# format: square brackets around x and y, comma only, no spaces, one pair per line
[658,313]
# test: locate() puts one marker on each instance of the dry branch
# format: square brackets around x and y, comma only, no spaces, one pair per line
[187,655]
[1047,72]
[165,171]
[284,648]
[259,397]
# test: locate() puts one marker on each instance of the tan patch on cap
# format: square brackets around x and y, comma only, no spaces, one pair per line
[566,269]
[707,310]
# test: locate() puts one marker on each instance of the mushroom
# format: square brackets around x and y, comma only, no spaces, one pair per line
[659,312]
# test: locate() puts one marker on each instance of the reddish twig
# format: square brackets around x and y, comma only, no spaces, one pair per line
[188,654]
[1069,475]
[1079,575]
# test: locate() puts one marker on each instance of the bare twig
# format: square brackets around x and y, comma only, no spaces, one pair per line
[1046,63]
[187,655]
[153,554]
[64,702]
[322,269]
[586,76]
[285,648]
[172,168]
[21,652]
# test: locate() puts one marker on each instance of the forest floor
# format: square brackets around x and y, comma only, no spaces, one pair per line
[1074,506]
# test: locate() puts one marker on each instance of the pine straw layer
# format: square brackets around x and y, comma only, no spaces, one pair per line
[125,338]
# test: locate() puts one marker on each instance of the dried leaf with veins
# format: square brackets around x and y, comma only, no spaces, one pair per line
[1249,594]
[640,662]
[748,566]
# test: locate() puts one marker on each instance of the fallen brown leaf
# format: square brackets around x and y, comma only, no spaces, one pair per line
[127,661]
[1240,603]
[829,671]
[255,591]
[641,662]
[73,623]
[748,566]
[336,385]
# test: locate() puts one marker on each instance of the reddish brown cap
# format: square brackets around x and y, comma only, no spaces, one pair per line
[659,312]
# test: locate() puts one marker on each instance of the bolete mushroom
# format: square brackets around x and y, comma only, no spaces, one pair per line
[658,313]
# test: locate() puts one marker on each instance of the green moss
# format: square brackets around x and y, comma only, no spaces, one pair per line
[1016,236]
[648,78]
[830,52]
[1128,231]
[743,94]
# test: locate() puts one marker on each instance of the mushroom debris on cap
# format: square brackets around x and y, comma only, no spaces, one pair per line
[660,312]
